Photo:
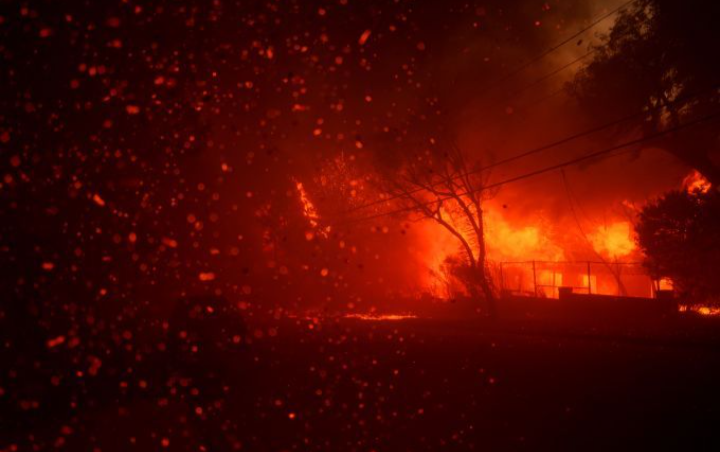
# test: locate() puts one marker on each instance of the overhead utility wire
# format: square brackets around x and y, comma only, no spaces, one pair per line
[549,75]
[547,52]
[548,168]
[545,147]
[552,49]
[542,78]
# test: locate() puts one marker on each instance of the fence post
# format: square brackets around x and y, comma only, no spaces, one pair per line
[589,280]
[534,279]
[502,280]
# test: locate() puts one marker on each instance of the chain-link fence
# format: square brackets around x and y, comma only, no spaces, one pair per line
[549,279]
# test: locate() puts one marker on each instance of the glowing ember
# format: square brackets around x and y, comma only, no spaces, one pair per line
[98,200]
[309,211]
[709,311]
[206,276]
[665,284]
[364,37]
[380,317]
[56,341]
[696,183]
[170,243]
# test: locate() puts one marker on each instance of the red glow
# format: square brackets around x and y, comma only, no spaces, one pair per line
[381,317]
[523,240]
[614,241]
[703,310]
[696,182]
[310,212]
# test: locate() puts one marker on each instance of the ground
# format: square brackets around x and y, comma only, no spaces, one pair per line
[412,385]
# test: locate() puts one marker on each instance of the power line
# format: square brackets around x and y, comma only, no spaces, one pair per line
[555,47]
[555,71]
[548,168]
[533,83]
[545,147]
[508,98]
[550,74]
[538,81]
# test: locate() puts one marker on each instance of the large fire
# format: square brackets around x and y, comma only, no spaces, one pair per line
[504,241]
[531,255]
[546,257]
[538,243]
[535,258]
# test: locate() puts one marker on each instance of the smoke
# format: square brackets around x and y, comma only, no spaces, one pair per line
[529,109]
[195,143]
[462,89]
[439,70]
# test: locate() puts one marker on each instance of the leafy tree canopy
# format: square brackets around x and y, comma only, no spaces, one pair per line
[660,58]
[680,235]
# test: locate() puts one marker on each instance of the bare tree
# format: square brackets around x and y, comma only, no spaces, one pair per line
[437,183]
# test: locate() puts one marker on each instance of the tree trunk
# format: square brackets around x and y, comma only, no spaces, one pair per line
[479,279]
[482,265]
[487,292]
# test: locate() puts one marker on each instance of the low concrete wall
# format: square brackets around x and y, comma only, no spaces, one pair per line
[599,309]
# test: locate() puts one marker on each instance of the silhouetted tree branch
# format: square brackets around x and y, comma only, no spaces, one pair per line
[659,53]
[435,184]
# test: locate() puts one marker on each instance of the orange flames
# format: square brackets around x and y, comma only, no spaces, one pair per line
[526,241]
[504,242]
[709,311]
[665,284]
[556,247]
[696,183]
[614,241]
[310,212]
[514,242]
[438,246]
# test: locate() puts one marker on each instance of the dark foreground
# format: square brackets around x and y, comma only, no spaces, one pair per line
[410,385]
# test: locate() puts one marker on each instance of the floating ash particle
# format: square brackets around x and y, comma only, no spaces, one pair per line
[170,243]
[132,109]
[364,37]
[51,343]
[206,276]
[98,200]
